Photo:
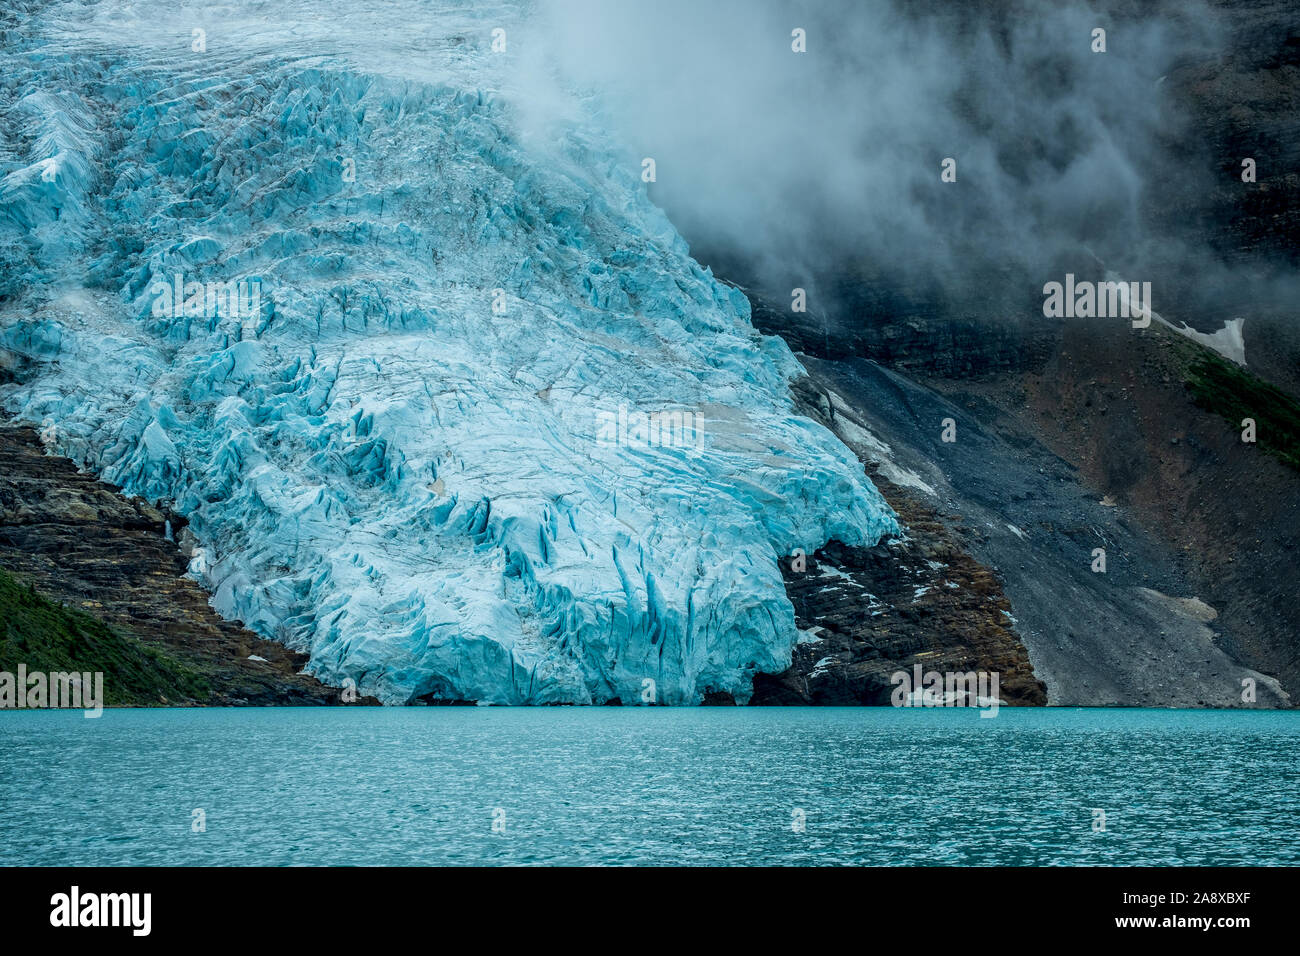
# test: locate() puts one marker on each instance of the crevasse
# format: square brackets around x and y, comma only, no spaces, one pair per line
[398,463]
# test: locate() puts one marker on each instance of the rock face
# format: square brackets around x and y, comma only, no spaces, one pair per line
[916,600]
[1215,248]
[1078,435]
[869,614]
[1013,520]
[1219,512]
[79,542]
[915,330]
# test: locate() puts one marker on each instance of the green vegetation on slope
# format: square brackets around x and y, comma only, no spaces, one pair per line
[49,637]
[1220,386]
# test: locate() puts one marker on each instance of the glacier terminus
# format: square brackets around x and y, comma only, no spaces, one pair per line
[364,320]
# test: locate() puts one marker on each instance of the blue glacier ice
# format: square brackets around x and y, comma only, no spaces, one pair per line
[392,456]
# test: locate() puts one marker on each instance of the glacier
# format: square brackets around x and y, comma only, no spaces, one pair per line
[392,457]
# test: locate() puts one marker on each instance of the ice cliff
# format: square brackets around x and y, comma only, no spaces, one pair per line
[420,450]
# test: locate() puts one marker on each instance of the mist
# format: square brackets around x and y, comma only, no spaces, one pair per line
[822,169]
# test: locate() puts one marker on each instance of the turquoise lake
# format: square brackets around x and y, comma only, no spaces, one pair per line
[611,786]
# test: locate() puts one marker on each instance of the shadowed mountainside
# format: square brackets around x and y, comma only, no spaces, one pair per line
[1083,434]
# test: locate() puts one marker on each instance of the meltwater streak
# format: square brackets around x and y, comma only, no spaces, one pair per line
[649,786]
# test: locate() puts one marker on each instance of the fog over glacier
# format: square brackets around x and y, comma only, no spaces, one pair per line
[396,463]
[799,169]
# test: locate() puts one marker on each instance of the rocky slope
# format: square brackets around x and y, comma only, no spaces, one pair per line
[917,599]
[1221,514]
[81,546]
[1077,435]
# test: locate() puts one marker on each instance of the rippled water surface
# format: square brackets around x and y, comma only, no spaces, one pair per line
[649,786]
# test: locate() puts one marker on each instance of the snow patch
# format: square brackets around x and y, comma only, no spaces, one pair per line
[1229,341]
[874,450]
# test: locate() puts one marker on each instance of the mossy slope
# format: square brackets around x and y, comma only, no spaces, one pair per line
[48,637]
[1221,387]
